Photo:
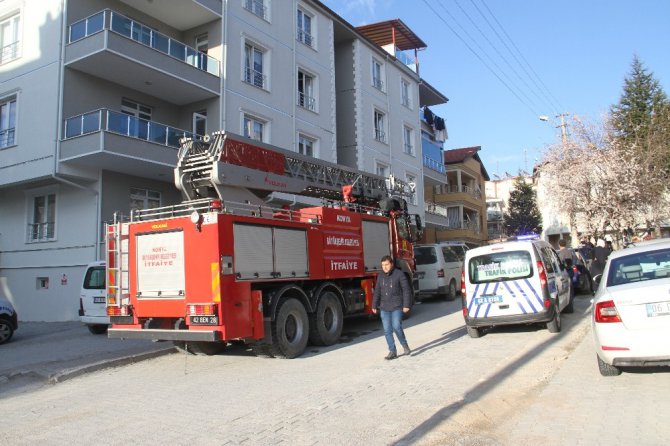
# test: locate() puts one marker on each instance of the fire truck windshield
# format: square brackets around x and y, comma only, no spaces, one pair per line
[403,227]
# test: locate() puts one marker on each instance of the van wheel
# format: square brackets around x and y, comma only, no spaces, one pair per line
[606,369]
[6,330]
[290,329]
[451,292]
[554,325]
[97,329]
[473,332]
[325,325]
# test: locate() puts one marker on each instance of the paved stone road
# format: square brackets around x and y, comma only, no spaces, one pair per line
[512,386]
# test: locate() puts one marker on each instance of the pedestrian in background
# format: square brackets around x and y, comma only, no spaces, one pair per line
[600,255]
[392,298]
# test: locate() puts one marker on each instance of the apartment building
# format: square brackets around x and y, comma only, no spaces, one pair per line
[95,94]
[458,206]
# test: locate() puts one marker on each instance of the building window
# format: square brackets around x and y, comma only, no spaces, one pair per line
[42,226]
[256,7]
[253,66]
[380,126]
[404,93]
[411,182]
[377,75]
[9,38]
[8,122]
[306,145]
[408,140]
[200,122]
[304,25]
[201,47]
[144,199]
[306,91]
[133,108]
[254,128]
[382,170]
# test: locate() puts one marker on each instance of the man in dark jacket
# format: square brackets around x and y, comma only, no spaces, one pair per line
[392,297]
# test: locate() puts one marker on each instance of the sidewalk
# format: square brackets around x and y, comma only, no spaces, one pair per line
[50,352]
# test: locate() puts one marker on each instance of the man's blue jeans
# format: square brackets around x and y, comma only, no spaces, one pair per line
[392,322]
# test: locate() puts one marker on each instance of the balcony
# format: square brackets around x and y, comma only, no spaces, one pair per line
[111,46]
[406,59]
[461,194]
[123,143]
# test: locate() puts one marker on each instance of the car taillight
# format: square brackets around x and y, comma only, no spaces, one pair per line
[123,310]
[575,270]
[202,309]
[440,273]
[542,274]
[606,312]
[463,283]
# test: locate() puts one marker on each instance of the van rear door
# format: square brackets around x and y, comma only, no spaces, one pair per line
[502,283]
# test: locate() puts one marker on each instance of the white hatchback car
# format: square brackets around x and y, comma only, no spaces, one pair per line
[631,308]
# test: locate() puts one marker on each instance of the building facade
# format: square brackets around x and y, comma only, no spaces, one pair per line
[95,94]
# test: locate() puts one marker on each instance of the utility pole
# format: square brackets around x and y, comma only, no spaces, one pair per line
[563,126]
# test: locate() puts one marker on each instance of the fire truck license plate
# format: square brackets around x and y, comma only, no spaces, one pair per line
[204,320]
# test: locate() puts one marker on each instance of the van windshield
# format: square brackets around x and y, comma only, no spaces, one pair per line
[500,266]
[425,255]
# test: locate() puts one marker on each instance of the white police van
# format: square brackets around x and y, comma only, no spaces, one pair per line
[514,282]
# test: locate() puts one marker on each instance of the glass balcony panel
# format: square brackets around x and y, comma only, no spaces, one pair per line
[173,136]
[77,30]
[95,23]
[158,133]
[117,122]
[90,122]
[177,50]
[122,25]
[73,127]
[193,57]
[161,43]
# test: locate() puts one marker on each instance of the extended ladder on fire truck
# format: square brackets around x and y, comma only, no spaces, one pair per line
[206,166]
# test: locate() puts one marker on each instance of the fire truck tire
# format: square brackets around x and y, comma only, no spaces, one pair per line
[325,325]
[97,329]
[290,329]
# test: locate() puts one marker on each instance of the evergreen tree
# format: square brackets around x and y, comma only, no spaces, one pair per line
[641,102]
[523,216]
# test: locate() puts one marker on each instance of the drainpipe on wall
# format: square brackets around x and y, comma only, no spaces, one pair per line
[224,66]
[59,113]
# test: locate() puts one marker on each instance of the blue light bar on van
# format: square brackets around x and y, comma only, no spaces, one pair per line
[531,236]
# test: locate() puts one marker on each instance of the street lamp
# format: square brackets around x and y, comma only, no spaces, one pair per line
[563,125]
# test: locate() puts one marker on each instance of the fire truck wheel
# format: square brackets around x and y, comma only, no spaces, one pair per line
[97,329]
[325,326]
[290,329]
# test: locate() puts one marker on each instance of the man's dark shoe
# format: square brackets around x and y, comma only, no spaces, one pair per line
[391,355]
[407,351]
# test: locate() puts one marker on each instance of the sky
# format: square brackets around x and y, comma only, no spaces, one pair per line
[560,57]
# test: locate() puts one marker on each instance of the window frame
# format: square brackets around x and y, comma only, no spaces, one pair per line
[377,76]
[198,117]
[382,169]
[308,102]
[14,19]
[265,123]
[314,144]
[408,140]
[33,236]
[248,5]
[379,126]
[255,47]
[405,96]
[304,37]
[9,133]
[133,194]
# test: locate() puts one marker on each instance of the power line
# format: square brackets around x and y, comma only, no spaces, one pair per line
[550,98]
[479,57]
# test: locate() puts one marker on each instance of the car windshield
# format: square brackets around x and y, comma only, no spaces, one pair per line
[500,266]
[648,265]
[425,255]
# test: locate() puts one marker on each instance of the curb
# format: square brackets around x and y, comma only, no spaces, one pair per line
[64,375]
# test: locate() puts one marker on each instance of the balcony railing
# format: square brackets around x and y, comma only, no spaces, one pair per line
[305,37]
[7,137]
[380,135]
[255,78]
[307,102]
[9,52]
[406,59]
[378,84]
[476,193]
[434,165]
[408,148]
[124,26]
[256,7]
[126,125]
[39,232]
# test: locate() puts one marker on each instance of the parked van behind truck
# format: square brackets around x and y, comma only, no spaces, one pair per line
[517,282]
[439,271]
[92,302]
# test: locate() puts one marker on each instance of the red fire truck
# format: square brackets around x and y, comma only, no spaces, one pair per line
[210,271]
